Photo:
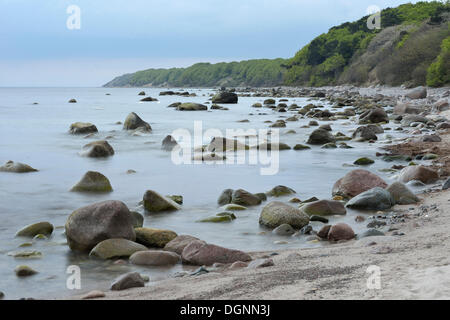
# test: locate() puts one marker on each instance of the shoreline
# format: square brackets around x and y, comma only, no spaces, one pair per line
[413,266]
[411,256]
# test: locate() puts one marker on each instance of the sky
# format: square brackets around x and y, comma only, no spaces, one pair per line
[41,44]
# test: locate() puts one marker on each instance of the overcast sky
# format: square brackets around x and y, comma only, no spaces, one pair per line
[115,37]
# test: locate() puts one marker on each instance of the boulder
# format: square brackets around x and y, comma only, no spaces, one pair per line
[417,93]
[225,97]
[363,161]
[375,115]
[401,193]
[169,143]
[179,243]
[116,248]
[127,281]
[89,225]
[356,182]
[323,232]
[157,238]
[45,228]
[155,258]
[98,149]
[277,213]
[244,198]
[420,173]
[279,191]
[190,106]
[320,136]
[93,181]
[82,128]
[17,167]
[324,208]
[154,202]
[142,93]
[72,101]
[369,132]
[374,199]
[225,197]
[201,253]
[341,231]
[133,122]
[406,108]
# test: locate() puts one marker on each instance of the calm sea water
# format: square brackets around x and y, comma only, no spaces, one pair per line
[38,135]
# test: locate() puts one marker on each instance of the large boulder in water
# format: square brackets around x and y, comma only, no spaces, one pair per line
[373,199]
[82,128]
[190,106]
[154,202]
[17,167]
[417,93]
[320,136]
[93,181]
[225,97]
[98,149]
[356,182]
[375,115]
[244,198]
[201,253]
[277,213]
[116,248]
[324,208]
[420,173]
[368,132]
[133,122]
[89,225]
[402,194]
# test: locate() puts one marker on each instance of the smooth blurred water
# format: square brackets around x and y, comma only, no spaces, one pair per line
[38,135]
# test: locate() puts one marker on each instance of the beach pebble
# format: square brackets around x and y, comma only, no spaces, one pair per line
[35,229]
[157,238]
[93,295]
[277,213]
[155,258]
[24,271]
[115,248]
[284,230]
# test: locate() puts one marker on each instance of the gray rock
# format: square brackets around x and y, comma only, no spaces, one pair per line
[279,191]
[45,228]
[82,128]
[417,93]
[284,230]
[17,167]
[93,181]
[446,184]
[155,258]
[169,143]
[154,202]
[225,97]
[320,136]
[89,225]
[225,197]
[98,149]
[369,132]
[116,248]
[402,194]
[370,233]
[244,198]
[373,199]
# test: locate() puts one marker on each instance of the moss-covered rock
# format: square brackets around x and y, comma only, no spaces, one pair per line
[35,229]
[82,128]
[116,248]
[190,106]
[280,191]
[301,147]
[157,238]
[24,271]
[177,198]
[93,181]
[234,207]
[225,97]
[133,122]
[363,161]
[277,213]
